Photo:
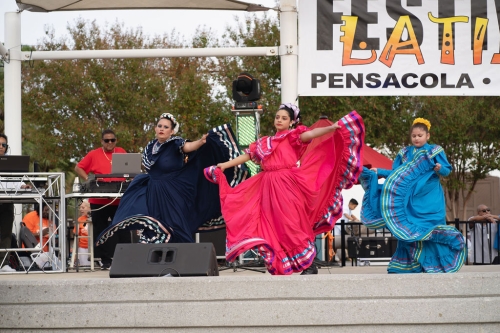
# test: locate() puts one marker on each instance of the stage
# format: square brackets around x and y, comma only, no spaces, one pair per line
[348,299]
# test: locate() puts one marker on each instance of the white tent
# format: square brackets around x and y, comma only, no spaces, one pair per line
[65,5]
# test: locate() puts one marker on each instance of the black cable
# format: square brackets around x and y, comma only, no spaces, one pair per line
[44,265]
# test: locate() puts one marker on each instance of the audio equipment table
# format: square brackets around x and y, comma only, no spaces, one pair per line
[51,194]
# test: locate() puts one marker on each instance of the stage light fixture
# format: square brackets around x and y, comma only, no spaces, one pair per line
[246,91]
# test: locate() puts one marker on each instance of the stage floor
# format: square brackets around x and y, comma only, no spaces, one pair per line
[99,274]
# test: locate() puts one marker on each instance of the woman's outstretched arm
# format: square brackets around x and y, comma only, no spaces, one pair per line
[234,162]
[195,145]
[317,132]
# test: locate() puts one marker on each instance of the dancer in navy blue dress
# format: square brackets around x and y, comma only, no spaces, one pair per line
[172,201]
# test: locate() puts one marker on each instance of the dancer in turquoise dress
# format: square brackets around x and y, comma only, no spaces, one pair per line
[411,205]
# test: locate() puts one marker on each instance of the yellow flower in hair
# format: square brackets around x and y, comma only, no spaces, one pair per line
[422,121]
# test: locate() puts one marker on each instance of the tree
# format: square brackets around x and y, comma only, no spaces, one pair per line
[468,129]
[386,118]
[66,104]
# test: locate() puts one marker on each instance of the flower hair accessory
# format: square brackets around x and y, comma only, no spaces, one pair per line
[423,121]
[172,119]
[292,107]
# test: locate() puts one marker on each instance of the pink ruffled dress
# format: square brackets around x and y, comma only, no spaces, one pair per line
[280,210]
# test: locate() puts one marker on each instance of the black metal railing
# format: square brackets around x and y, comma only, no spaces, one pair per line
[482,240]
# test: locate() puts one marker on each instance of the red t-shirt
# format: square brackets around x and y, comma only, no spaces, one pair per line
[98,162]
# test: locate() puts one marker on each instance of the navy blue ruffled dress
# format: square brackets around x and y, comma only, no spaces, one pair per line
[173,200]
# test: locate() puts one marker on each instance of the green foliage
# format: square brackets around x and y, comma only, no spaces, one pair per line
[66,104]
[390,118]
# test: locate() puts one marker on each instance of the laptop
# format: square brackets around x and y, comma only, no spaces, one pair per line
[126,163]
[14,163]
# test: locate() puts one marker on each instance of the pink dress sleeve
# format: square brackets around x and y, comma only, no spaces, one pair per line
[251,150]
[295,140]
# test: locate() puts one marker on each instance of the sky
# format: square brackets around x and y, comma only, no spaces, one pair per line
[153,22]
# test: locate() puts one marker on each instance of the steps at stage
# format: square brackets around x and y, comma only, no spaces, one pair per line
[463,302]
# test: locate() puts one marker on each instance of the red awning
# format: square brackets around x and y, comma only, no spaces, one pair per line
[374,159]
[371,158]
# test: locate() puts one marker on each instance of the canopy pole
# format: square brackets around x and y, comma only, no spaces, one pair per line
[12,86]
[12,92]
[289,51]
[151,53]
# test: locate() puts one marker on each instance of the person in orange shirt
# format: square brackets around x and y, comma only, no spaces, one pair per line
[329,243]
[32,222]
[83,243]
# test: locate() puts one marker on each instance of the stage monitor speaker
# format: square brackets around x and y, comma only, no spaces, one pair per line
[153,260]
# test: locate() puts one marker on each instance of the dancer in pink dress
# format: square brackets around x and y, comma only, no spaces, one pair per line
[282,209]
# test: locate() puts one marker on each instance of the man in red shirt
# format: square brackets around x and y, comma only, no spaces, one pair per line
[98,161]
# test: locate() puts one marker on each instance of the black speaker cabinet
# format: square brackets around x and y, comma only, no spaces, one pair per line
[371,247]
[218,238]
[151,260]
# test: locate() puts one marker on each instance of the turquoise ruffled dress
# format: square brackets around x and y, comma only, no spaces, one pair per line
[411,205]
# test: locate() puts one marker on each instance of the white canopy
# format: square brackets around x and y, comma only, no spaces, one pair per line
[12,54]
[66,5]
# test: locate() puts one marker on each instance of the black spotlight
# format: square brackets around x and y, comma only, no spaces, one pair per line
[246,90]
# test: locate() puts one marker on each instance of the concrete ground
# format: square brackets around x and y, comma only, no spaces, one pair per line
[348,299]
[240,272]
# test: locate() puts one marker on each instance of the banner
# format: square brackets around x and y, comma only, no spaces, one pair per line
[399,47]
